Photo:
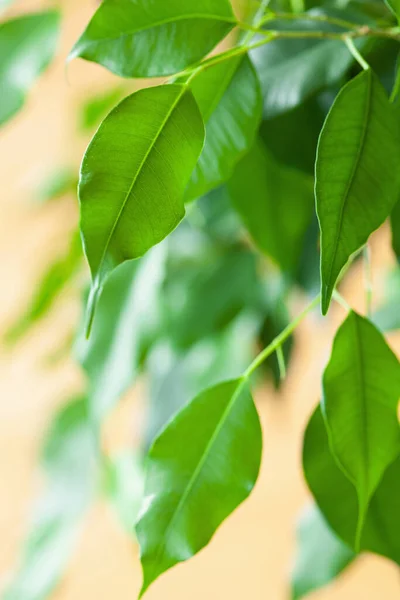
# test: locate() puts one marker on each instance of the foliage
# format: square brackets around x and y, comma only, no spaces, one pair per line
[198,224]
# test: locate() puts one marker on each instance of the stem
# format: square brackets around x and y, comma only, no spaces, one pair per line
[340,300]
[278,341]
[351,46]
[309,17]
[281,362]
[368,280]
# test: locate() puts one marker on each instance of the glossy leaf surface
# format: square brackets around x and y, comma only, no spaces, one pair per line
[27,45]
[275,204]
[358,154]
[229,98]
[68,460]
[321,556]
[128,314]
[361,392]
[337,498]
[179,33]
[208,459]
[291,70]
[125,208]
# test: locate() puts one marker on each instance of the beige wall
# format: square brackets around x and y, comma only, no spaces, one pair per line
[250,555]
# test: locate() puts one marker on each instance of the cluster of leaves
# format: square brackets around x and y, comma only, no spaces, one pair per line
[303,105]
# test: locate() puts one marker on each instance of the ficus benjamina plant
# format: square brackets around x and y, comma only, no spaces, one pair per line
[259,163]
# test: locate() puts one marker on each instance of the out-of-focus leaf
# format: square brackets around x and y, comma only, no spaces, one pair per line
[125,481]
[292,137]
[291,70]
[60,182]
[201,467]
[361,391]
[229,98]
[72,480]
[337,498]
[125,208]
[96,108]
[27,45]
[55,279]
[275,204]
[395,226]
[352,171]
[394,6]
[320,557]
[387,318]
[203,296]
[178,34]
[176,377]
[128,314]
[5,4]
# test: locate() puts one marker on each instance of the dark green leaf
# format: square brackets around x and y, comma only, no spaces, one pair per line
[149,38]
[361,386]
[357,175]
[133,177]
[394,6]
[128,313]
[321,556]
[275,204]
[202,466]
[229,98]
[395,226]
[72,478]
[27,45]
[54,280]
[337,497]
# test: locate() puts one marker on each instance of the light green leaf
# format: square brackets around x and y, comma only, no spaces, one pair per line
[59,182]
[27,45]
[395,227]
[202,466]
[128,314]
[229,98]
[387,318]
[361,391]
[151,38]
[133,177]
[48,290]
[337,498]
[96,108]
[125,487]
[72,479]
[321,556]
[275,204]
[357,175]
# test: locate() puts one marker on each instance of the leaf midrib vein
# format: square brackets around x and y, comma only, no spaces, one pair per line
[200,466]
[352,176]
[141,166]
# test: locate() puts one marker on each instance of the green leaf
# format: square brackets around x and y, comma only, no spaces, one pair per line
[202,466]
[128,314]
[96,108]
[58,183]
[229,98]
[321,556]
[125,487]
[226,282]
[27,45]
[68,459]
[395,227]
[394,6]
[337,498]
[175,376]
[361,389]
[292,70]
[275,204]
[133,177]
[48,290]
[151,38]
[357,178]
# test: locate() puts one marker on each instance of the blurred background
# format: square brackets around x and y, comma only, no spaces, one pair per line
[251,554]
